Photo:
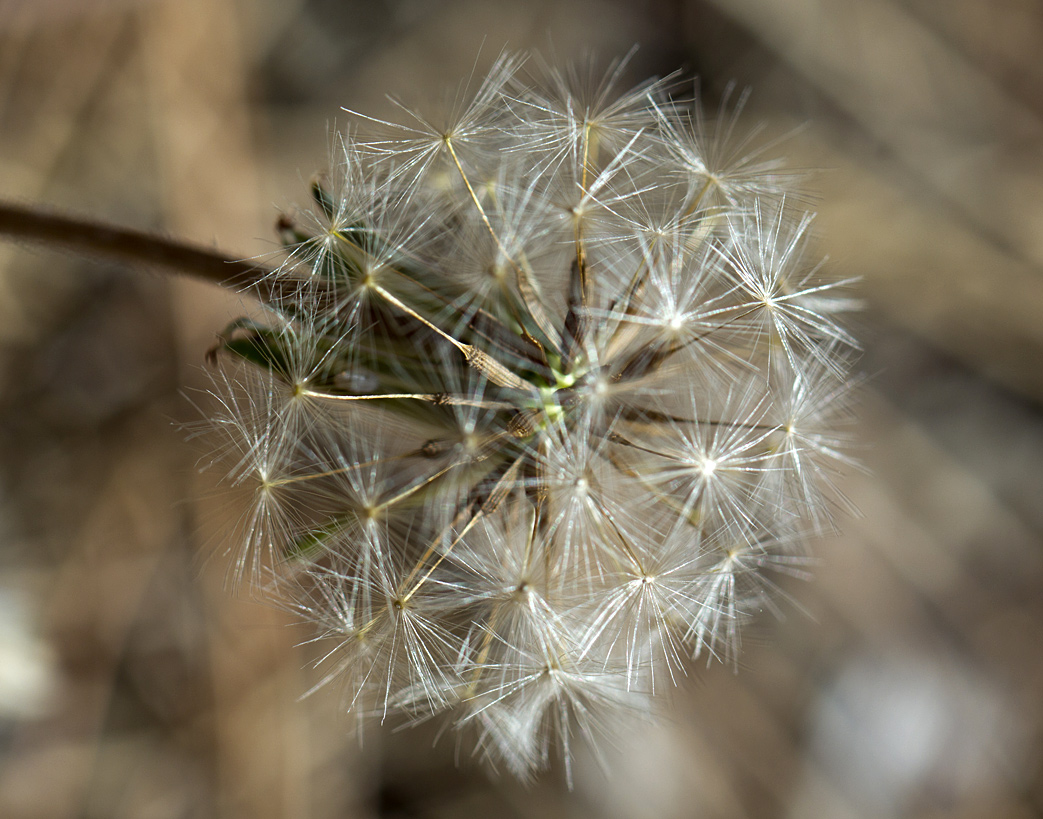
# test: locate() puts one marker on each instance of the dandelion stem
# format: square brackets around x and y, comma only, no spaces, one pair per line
[695,202]
[532,303]
[438,398]
[416,487]
[503,485]
[477,203]
[524,286]
[419,565]
[129,246]
[481,361]
[460,536]
[527,291]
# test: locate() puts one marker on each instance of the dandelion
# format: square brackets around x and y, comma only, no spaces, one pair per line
[542,397]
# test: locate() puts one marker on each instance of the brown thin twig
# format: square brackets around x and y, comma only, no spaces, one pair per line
[135,247]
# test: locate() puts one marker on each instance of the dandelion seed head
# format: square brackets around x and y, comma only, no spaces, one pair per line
[549,387]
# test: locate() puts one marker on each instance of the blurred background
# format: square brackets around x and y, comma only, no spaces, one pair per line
[907,681]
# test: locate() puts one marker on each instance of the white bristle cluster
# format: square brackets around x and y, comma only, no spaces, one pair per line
[542,399]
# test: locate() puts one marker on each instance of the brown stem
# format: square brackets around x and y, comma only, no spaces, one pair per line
[131,246]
